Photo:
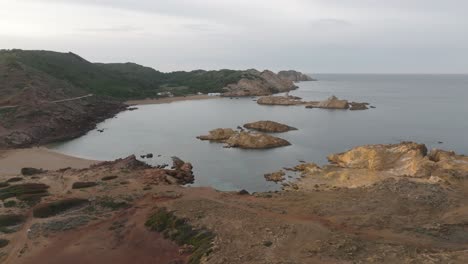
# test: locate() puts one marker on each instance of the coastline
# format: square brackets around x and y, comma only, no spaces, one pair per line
[168,100]
[12,160]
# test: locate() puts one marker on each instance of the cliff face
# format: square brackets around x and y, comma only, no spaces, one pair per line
[295,76]
[259,84]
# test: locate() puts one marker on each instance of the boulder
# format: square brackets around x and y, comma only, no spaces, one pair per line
[269,126]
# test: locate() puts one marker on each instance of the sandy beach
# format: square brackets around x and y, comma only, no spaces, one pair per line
[170,99]
[12,160]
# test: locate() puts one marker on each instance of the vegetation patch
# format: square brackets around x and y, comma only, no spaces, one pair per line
[25,192]
[10,220]
[57,207]
[31,171]
[8,204]
[4,242]
[182,233]
[81,185]
[108,178]
[111,203]
[4,184]
[15,179]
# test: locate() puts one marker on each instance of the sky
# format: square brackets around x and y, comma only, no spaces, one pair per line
[313,36]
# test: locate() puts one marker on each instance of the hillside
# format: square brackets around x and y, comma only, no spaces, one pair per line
[120,80]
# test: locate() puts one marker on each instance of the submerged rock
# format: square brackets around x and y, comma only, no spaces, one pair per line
[269,126]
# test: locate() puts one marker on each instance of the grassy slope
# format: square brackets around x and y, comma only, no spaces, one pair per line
[120,80]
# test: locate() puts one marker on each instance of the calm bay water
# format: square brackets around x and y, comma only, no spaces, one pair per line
[422,108]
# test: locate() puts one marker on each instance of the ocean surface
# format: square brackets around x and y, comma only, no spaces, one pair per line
[427,109]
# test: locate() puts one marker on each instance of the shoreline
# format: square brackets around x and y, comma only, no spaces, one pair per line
[168,100]
[12,160]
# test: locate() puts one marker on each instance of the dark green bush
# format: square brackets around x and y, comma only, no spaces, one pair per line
[81,185]
[31,171]
[108,178]
[57,207]
[4,242]
[24,191]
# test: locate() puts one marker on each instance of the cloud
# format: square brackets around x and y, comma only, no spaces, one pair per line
[123,28]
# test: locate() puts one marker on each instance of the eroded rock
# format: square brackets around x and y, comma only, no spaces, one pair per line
[219,134]
[254,140]
[269,126]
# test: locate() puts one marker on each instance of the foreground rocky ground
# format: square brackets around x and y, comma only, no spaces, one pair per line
[373,204]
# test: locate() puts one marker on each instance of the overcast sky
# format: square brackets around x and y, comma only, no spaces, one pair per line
[343,36]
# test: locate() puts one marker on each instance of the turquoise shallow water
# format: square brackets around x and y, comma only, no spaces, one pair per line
[421,108]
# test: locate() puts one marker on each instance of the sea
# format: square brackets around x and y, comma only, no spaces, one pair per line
[428,109]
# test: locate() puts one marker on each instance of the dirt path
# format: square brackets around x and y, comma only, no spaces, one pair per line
[51,102]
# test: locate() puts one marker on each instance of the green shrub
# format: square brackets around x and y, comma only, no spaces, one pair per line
[10,203]
[57,207]
[11,220]
[31,171]
[4,242]
[81,185]
[108,178]
[26,191]
[182,233]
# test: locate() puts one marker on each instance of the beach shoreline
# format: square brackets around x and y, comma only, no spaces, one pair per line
[12,160]
[168,100]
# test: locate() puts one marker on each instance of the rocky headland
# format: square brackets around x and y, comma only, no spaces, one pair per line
[244,139]
[295,76]
[269,127]
[260,84]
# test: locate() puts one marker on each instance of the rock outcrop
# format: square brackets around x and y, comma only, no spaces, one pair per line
[219,134]
[259,84]
[269,127]
[369,164]
[331,103]
[295,76]
[275,176]
[281,100]
[254,140]
[334,103]
[244,139]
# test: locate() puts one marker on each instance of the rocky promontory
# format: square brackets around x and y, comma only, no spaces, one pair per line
[369,164]
[244,139]
[269,127]
[295,76]
[257,83]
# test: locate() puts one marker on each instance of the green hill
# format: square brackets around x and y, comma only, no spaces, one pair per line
[120,80]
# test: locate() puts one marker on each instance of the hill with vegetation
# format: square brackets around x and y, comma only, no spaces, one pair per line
[120,80]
